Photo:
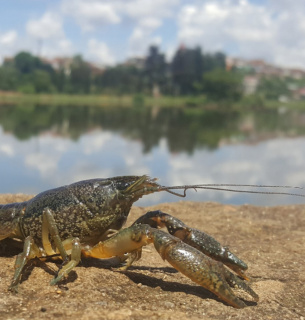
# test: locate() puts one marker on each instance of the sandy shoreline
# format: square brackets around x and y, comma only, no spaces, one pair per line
[270,240]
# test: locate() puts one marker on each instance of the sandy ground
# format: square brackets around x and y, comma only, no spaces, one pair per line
[270,240]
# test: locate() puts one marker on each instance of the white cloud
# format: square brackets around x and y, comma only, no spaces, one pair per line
[140,9]
[100,52]
[8,38]
[150,23]
[7,149]
[144,16]
[57,47]
[148,16]
[274,32]
[141,39]
[48,26]
[49,30]
[8,43]
[94,141]
[91,14]
[142,36]
[216,24]
[43,163]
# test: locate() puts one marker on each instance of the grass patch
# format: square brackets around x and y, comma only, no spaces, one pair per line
[101,100]
[140,100]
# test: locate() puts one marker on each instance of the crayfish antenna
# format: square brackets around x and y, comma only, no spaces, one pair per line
[231,188]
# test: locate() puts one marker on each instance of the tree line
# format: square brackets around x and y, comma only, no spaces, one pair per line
[191,71]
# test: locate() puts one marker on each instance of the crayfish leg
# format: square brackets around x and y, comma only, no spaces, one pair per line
[71,264]
[49,227]
[30,251]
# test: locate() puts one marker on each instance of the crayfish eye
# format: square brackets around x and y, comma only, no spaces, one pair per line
[122,183]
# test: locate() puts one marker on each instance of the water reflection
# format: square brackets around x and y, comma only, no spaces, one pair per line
[43,147]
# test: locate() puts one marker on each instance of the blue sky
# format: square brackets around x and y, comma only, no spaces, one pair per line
[110,31]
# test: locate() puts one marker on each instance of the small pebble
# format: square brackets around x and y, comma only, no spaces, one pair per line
[43,309]
[169,304]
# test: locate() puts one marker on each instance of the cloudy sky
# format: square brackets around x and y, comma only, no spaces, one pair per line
[109,31]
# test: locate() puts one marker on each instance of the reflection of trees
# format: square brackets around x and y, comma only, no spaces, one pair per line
[184,129]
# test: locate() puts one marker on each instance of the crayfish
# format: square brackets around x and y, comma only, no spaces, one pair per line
[84,219]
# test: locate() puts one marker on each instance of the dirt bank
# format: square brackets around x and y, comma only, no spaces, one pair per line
[270,240]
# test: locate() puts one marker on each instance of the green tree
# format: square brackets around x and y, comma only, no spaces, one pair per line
[25,62]
[214,61]
[8,78]
[221,85]
[272,88]
[155,68]
[60,80]
[186,68]
[42,81]
[120,79]
[80,77]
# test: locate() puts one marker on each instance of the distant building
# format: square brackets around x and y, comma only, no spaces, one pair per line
[256,69]
[294,73]
[65,63]
[250,83]
[7,61]
[95,69]
[260,67]
[59,63]
[299,94]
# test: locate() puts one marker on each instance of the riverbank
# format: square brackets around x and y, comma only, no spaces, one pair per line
[98,100]
[269,239]
[139,100]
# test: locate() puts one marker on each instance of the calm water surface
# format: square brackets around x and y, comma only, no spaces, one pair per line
[45,147]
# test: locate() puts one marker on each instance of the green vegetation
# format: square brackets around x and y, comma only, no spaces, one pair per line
[192,79]
[152,75]
[272,88]
[252,102]
[137,100]
[221,85]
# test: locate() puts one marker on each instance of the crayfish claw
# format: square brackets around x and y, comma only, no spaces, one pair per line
[195,238]
[201,269]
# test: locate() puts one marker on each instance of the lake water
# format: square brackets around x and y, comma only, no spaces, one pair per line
[44,147]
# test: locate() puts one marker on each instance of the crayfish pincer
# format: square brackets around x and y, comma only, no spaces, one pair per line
[84,219]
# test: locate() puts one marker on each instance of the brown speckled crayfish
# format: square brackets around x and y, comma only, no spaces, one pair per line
[85,219]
